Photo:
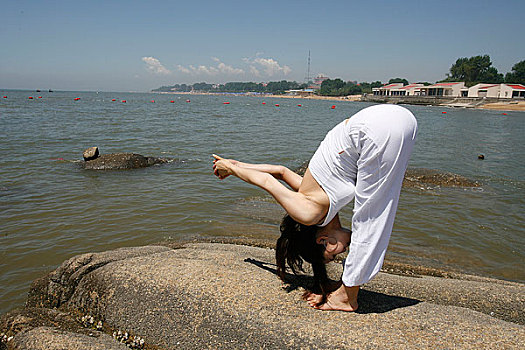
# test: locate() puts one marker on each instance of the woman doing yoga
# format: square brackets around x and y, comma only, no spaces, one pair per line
[362,158]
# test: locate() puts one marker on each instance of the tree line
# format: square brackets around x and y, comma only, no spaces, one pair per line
[471,70]
[273,87]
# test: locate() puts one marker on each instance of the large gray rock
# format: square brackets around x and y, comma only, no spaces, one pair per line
[121,161]
[223,296]
[50,338]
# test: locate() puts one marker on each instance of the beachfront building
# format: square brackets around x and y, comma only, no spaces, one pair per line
[318,81]
[497,90]
[484,90]
[456,89]
[512,91]
[302,93]
[397,89]
[386,90]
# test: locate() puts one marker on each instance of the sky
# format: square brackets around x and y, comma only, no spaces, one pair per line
[140,45]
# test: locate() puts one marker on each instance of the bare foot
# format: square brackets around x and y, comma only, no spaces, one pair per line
[342,299]
[313,299]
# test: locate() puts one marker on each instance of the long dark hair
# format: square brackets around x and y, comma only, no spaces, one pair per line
[297,243]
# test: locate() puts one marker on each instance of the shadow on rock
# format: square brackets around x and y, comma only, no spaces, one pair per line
[369,301]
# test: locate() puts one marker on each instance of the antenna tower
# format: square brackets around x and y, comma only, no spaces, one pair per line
[308,72]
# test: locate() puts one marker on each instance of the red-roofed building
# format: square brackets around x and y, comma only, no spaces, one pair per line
[497,90]
[386,90]
[444,89]
[484,90]
[397,89]
[512,91]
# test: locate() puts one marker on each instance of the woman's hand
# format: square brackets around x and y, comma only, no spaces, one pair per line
[222,168]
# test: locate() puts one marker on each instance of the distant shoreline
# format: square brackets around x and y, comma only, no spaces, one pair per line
[511,105]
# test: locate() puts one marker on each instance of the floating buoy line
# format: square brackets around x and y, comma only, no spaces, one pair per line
[170,101]
[189,101]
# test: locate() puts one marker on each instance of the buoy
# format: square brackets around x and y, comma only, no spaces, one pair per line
[77,98]
[443,112]
[172,101]
[124,101]
[264,103]
[5,96]
[188,101]
[226,103]
[504,113]
[299,105]
[152,101]
[39,96]
[114,99]
[276,105]
[333,107]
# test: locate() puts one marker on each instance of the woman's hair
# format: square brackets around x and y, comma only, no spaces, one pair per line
[298,243]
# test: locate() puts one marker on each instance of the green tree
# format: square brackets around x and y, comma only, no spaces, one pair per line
[330,87]
[202,87]
[398,80]
[517,74]
[367,87]
[473,70]
[338,87]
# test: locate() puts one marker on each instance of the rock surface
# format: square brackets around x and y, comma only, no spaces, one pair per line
[225,296]
[90,154]
[120,161]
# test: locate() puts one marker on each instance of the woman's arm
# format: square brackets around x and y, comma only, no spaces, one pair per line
[301,208]
[277,171]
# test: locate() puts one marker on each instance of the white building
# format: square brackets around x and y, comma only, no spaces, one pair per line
[387,90]
[456,89]
[512,91]
[497,90]
[484,90]
[397,89]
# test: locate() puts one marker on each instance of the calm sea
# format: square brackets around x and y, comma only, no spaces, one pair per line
[51,210]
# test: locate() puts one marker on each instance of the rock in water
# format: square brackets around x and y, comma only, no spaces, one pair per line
[421,177]
[91,153]
[120,161]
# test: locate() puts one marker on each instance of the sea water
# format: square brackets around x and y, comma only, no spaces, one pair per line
[51,209]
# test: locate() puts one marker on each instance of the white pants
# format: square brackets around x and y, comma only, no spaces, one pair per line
[365,159]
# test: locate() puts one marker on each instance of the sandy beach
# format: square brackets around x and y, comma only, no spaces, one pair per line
[505,106]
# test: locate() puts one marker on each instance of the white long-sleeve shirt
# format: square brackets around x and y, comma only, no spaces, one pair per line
[365,158]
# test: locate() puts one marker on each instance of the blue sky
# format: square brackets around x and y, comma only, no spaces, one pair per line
[139,45]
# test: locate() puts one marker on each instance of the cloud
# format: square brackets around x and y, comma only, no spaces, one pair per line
[255,71]
[154,66]
[271,67]
[183,69]
[256,66]
[211,70]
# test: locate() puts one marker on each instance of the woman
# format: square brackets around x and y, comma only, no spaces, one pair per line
[362,158]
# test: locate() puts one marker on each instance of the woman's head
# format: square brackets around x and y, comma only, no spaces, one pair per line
[298,243]
[313,244]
